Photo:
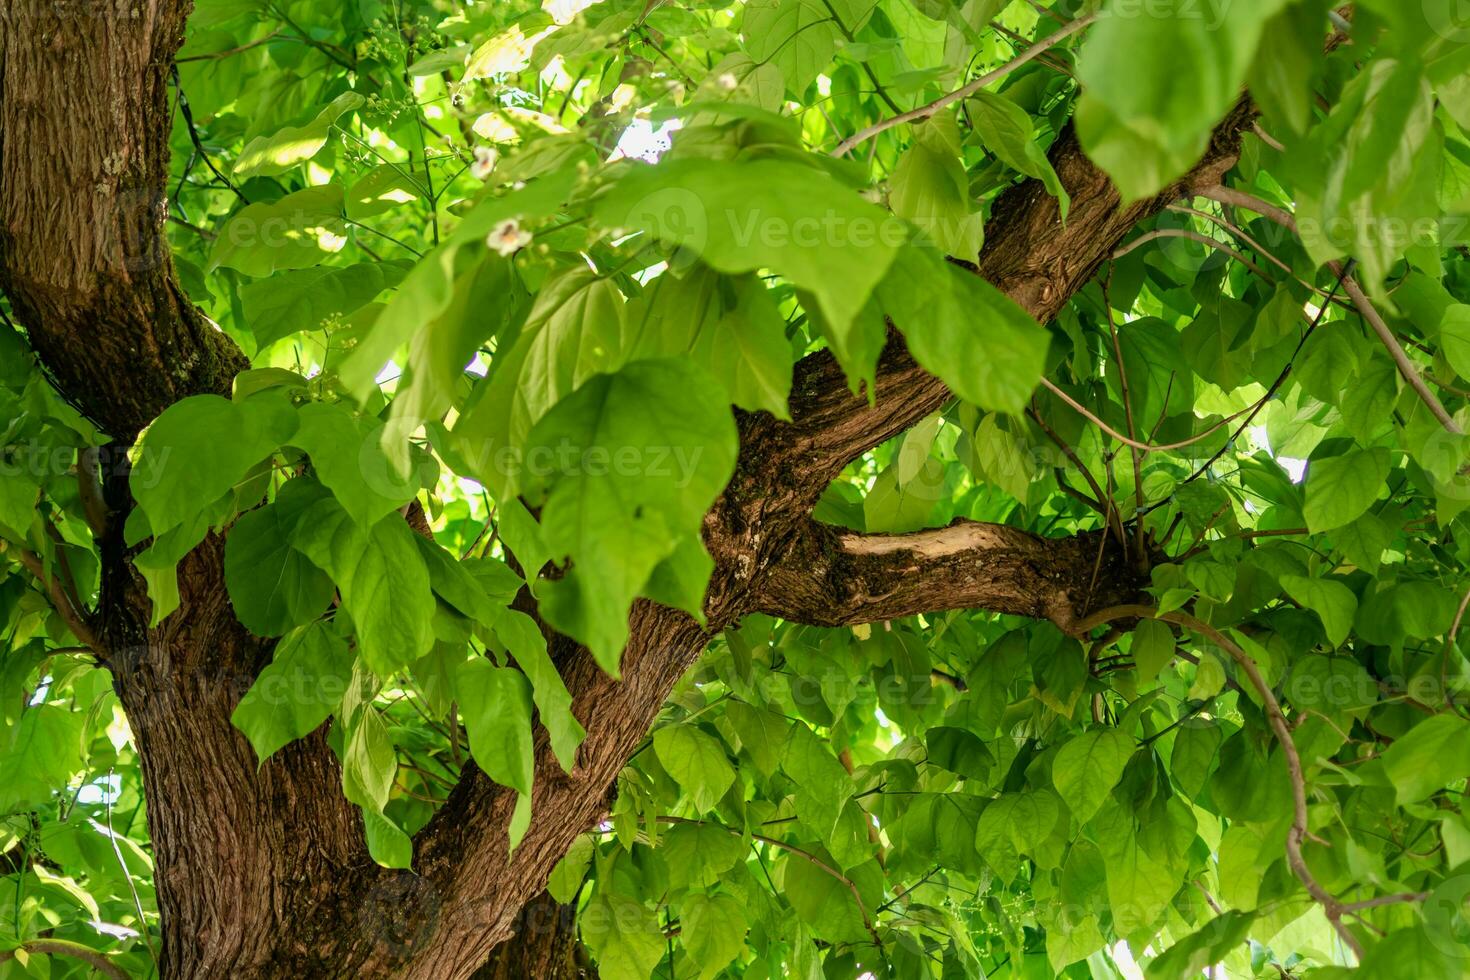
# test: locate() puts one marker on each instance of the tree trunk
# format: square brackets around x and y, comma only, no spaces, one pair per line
[544,946]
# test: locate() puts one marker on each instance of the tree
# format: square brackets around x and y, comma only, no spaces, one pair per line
[984,496]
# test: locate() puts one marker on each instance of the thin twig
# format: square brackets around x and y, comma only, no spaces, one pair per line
[75,617]
[62,947]
[965,91]
[1146,447]
[1334,908]
[1229,195]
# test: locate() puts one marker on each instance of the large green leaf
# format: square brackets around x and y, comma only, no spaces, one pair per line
[627,466]
[297,691]
[764,214]
[200,448]
[696,761]
[380,573]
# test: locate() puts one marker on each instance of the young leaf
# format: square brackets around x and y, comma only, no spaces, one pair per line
[297,691]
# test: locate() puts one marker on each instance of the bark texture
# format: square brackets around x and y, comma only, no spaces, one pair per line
[264,873]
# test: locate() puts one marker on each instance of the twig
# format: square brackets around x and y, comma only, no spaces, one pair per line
[62,947]
[194,135]
[806,855]
[1146,447]
[214,55]
[1229,195]
[1275,385]
[1334,908]
[965,91]
[75,618]
[1134,451]
[132,888]
[1396,351]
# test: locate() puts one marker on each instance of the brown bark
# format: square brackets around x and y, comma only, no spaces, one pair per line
[544,946]
[263,873]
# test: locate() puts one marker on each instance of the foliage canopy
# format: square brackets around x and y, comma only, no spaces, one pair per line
[535,276]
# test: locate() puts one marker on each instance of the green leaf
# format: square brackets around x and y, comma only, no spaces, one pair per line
[1202,948]
[1341,488]
[713,932]
[573,332]
[1433,754]
[643,454]
[381,575]
[799,36]
[297,231]
[1155,84]
[824,901]
[696,761]
[624,935]
[1454,336]
[1153,648]
[820,783]
[275,154]
[1332,601]
[428,288]
[387,843]
[496,704]
[729,325]
[346,457]
[1087,768]
[369,763]
[553,702]
[1008,132]
[567,877]
[965,331]
[300,300]
[273,586]
[200,448]
[381,189]
[297,691]
[930,189]
[764,214]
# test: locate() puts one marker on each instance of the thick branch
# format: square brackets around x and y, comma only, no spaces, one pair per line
[83,165]
[842,578]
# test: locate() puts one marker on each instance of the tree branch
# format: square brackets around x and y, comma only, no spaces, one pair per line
[842,578]
[73,615]
[83,256]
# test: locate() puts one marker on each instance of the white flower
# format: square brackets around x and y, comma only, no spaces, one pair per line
[508,237]
[728,82]
[485,158]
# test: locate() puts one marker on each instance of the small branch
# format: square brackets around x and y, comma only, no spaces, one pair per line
[62,947]
[1237,198]
[1134,443]
[1396,351]
[965,91]
[74,617]
[1403,898]
[89,488]
[1276,718]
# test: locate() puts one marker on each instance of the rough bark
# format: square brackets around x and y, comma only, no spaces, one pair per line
[83,171]
[839,578]
[544,946]
[263,873]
